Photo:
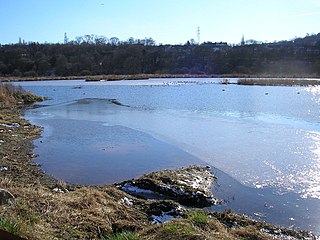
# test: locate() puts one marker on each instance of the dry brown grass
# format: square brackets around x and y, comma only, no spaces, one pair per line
[8,94]
[11,95]
[85,213]
[249,233]
[278,81]
[183,229]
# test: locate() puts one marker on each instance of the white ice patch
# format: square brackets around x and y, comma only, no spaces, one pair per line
[201,180]
[164,217]
[3,169]
[126,201]
[10,125]
[130,188]
[60,190]
[259,214]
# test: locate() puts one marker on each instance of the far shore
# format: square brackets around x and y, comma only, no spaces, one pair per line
[149,76]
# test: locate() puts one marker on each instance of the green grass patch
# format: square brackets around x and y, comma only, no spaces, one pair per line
[27,214]
[9,226]
[198,217]
[178,228]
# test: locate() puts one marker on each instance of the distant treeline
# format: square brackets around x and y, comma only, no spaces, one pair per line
[91,55]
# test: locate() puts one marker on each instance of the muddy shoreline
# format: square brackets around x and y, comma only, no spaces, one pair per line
[44,208]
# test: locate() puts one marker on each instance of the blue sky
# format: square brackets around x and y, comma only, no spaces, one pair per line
[166,21]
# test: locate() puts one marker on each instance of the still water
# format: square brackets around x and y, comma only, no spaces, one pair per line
[264,142]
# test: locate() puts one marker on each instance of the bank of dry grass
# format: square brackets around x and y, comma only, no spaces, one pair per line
[114,77]
[278,81]
[83,213]
[11,95]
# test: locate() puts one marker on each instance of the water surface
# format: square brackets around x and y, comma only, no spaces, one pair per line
[266,139]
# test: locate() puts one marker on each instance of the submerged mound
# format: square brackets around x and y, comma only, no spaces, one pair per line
[99,100]
[188,186]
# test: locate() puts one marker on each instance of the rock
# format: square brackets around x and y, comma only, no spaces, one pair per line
[4,235]
[6,197]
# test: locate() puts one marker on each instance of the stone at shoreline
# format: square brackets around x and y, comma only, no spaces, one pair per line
[6,197]
[188,186]
[4,235]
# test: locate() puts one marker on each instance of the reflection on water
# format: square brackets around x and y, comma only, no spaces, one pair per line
[88,152]
[276,152]
[311,176]
[315,91]
[269,142]
[262,204]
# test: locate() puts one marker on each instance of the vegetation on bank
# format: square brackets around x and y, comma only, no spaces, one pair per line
[90,57]
[113,77]
[12,95]
[278,81]
[44,208]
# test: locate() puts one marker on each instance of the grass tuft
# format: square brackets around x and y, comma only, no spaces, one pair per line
[198,217]
[9,226]
[250,233]
[178,228]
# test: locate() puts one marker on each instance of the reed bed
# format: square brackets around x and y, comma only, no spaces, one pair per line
[11,95]
[279,81]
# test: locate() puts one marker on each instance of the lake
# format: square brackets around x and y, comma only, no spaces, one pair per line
[263,142]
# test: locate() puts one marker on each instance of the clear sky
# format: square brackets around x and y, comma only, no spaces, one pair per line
[166,21]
